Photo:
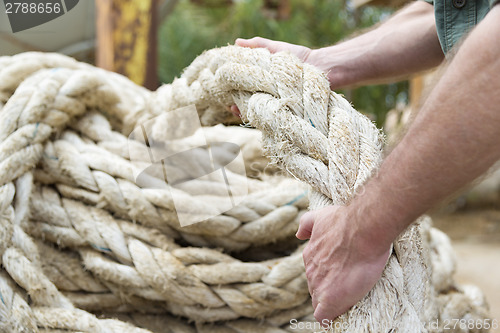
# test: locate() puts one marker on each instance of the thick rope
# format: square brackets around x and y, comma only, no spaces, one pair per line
[67,178]
[322,140]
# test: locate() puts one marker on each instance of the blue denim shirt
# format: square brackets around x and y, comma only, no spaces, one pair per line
[455,18]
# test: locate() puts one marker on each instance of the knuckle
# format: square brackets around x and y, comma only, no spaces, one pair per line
[309,270]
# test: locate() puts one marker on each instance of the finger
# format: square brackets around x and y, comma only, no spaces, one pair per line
[252,42]
[234,110]
[305,226]
[241,42]
[323,313]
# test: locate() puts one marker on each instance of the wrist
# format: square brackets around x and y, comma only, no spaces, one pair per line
[331,61]
[368,241]
[378,219]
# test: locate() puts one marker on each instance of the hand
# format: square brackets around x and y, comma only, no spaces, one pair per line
[341,265]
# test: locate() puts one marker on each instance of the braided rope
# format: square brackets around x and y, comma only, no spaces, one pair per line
[67,178]
[322,140]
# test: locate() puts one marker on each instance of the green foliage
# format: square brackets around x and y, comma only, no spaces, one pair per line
[191,29]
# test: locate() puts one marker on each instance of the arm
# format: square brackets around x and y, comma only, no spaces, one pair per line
[454,139]
[405,44]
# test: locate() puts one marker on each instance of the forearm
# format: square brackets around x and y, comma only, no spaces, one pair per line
[452,141]
[405,44]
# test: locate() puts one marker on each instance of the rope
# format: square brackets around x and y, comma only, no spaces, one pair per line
[111,247]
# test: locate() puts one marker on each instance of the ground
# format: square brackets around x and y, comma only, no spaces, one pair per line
[475,236]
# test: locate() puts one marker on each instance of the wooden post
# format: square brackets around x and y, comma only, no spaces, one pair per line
[126,39]
[281,9]
[416,91]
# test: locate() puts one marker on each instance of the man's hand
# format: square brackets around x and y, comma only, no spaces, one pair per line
[342,266]
[404,44]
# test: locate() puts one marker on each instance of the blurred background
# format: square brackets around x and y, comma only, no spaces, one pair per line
[187,27]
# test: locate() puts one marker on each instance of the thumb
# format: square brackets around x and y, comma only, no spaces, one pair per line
[305,226]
